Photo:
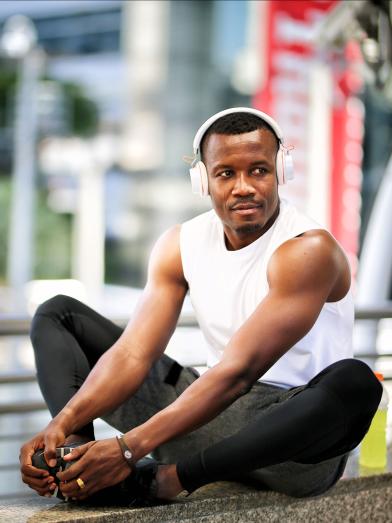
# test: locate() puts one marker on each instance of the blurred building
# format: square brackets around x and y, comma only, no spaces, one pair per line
[156,70]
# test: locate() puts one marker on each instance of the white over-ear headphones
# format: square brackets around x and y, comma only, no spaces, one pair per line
[198,171]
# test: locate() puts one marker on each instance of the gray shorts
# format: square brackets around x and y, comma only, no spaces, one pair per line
[292,478]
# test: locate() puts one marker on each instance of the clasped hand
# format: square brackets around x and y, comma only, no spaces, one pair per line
[99,464]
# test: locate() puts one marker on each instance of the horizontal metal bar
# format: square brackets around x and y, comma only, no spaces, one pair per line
[13,325]
[33,406]
[30,377]
[374,355]
[19,325]
[16,377]
[16,436]
[19,408]
[9,467]
[376,313]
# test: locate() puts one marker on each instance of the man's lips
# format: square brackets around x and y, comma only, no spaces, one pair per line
[246,208]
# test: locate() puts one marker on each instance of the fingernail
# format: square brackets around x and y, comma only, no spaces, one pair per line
[48,495]
[52,463]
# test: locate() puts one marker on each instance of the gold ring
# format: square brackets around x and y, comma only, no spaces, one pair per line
[80,483]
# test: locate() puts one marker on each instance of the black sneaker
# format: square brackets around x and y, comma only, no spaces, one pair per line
[141,485]
[38,461]
[137,490]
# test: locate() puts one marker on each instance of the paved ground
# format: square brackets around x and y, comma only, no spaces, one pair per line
[356,500]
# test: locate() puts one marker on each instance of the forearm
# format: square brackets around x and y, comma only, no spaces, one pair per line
[202,401]
[116,376]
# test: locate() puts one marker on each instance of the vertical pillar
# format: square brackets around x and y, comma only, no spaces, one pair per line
[89,230]
[145,41]
[319,144]
[20,250]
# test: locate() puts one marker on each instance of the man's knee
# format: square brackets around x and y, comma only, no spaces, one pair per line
[361,378]
[56,304]
[356,384]
[54,307]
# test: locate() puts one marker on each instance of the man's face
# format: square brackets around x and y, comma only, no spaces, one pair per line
[242,183]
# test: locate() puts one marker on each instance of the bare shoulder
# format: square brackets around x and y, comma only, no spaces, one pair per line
[165,259]
[312,259]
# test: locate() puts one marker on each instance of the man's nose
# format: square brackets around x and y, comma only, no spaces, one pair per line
[243,185]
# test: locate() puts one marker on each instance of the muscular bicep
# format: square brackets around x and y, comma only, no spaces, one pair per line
[156,314]
[302,275]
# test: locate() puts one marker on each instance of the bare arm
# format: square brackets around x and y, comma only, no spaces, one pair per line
[303,274]
[123,368]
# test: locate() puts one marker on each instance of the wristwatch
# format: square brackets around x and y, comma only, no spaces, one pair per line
[126,452]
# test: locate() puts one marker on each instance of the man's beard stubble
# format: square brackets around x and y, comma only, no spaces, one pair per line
[249,228]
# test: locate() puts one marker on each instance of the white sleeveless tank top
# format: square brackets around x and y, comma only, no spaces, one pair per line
[226,286]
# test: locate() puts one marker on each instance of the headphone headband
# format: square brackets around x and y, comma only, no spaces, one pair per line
[207,124]
[198,171]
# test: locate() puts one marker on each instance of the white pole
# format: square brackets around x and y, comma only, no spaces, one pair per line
[20,252]
[319,144]
[375,266]
[89,232]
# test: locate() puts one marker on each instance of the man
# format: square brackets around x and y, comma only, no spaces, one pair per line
[282,400]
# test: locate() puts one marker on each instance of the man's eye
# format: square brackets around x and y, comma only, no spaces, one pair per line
[225,174]
[260,170]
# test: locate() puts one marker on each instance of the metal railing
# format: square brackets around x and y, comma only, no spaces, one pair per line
[12,325]
[19,325]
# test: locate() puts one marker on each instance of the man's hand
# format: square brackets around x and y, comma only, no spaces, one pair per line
[37,479]
[99,464]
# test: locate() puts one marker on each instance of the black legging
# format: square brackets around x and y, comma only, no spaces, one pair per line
[327,418]
[68,339]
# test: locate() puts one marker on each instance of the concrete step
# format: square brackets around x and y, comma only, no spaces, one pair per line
[356,500]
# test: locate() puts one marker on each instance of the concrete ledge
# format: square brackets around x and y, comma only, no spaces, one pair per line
[356,500]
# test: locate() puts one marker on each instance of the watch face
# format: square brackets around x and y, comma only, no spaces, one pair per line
[128,454]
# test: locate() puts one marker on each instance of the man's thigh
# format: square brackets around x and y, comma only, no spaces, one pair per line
[164,383]
[156,394]
[260,397]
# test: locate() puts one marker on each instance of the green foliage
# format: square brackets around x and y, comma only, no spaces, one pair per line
[7,86]
[5,192]
[52,241]
[52,237]
[84,112]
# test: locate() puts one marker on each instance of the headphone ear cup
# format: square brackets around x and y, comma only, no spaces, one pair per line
[280,167]
[199,179]
[284,166]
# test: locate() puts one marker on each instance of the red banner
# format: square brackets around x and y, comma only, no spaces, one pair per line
[290,93]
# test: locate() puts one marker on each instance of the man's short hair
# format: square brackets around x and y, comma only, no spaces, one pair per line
[237,123]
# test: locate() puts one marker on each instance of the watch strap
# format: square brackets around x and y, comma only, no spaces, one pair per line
[126,452]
